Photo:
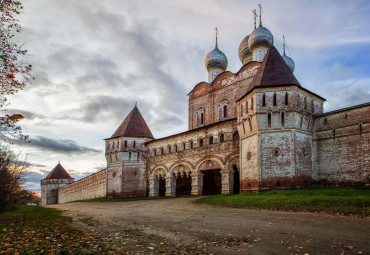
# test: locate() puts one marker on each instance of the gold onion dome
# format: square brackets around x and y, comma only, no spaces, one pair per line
[260,37]
[244,49]
[216,59]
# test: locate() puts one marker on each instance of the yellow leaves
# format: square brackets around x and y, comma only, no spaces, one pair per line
[16,117]
[4,229]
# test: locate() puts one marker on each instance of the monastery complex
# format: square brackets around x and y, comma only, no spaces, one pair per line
[249,131]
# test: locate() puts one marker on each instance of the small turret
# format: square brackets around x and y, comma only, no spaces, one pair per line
[56,179]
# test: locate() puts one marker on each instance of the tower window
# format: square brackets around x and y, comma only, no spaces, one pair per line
[305,103]
[263,100]
[200,143]
[134,144]
[129,155]
[202,118]
[154,152]
[269,120]
[113,145]
[252,103]
[241,110]
[125,144]
[282,119]
[210,141]
[222,138]
[236,136]
[168,149]
[225,111]
[161,151]
[286,98]
[183,146]
[175,148]
[108,146]
[275,99]
[246,106]
[191,145]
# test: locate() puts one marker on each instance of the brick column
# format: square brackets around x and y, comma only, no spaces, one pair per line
[196,184]
[153,187]
[227,181]
[170,186]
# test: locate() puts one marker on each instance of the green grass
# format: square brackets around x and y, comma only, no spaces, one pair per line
[105,199]
[343,200]
[39,230]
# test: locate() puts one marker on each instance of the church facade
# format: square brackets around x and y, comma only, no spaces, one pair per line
[249,131]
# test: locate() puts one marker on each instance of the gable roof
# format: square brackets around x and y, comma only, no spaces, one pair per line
[274,72]
[133,126]
[58,173]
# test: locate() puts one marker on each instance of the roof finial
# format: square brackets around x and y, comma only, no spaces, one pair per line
[135,103]
[255,18]
[260,7]
[283,45]
[58,161]
[216,29]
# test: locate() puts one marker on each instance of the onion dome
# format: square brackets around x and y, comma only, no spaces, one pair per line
[289,61]
[260,36]
[244,49]
[216,58]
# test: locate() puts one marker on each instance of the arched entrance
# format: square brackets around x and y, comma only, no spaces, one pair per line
[162,186]
[183,180]
[211,171]
[236,184]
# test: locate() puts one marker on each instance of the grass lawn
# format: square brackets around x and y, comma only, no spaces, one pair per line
[344,200]
[39,230]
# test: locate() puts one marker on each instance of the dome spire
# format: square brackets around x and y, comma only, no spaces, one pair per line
[289,61]
[255,18]
[283,45]
[260,8]
[216,46]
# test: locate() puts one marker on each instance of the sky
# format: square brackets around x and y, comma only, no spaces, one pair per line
[92,60]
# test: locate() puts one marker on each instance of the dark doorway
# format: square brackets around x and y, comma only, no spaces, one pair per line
[211,182]
[183,185]
[236,189]
[162,186]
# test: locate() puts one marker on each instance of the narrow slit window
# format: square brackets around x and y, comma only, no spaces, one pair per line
[269,120]
[286,98]
[225,111]
[282,119]
[263,100]
[275,99]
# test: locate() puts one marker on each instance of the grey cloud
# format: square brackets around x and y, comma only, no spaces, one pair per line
[64,146]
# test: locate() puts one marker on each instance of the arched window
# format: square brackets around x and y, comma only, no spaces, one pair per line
[129,155]
[263,100]
[222,138]
[246,106]
[117,144]
[168,149]
[305,103]
[154,153]
[134,144]
[125,144]
[210,140]
[275,103]
[282,119]
[183,146]
[269,120]
[138,155]
[200,142]
[113,145]
[175,148]
[236,136]
[225,111]
[161,151]
[286,98]
[190,144]
[202,118]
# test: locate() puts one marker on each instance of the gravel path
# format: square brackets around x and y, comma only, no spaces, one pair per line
[232,231]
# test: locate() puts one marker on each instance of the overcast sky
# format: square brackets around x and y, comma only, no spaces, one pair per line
[93,59]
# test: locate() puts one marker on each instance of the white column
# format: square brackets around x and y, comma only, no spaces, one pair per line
[153,187]
[227,181]
[170,186]
[196,184]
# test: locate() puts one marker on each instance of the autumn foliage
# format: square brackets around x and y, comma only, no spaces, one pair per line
[14,71]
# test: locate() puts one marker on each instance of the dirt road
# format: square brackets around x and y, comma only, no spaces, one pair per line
[233,231]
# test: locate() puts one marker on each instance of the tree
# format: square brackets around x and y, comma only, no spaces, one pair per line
[15,74]
[11,173]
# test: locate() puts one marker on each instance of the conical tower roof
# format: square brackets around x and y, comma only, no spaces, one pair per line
[274,72]
[133,126]
[58,173]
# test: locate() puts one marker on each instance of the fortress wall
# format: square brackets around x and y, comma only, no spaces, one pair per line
[342,146]
[92,186]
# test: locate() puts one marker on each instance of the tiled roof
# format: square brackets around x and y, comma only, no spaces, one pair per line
[58,173]
[133,126]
